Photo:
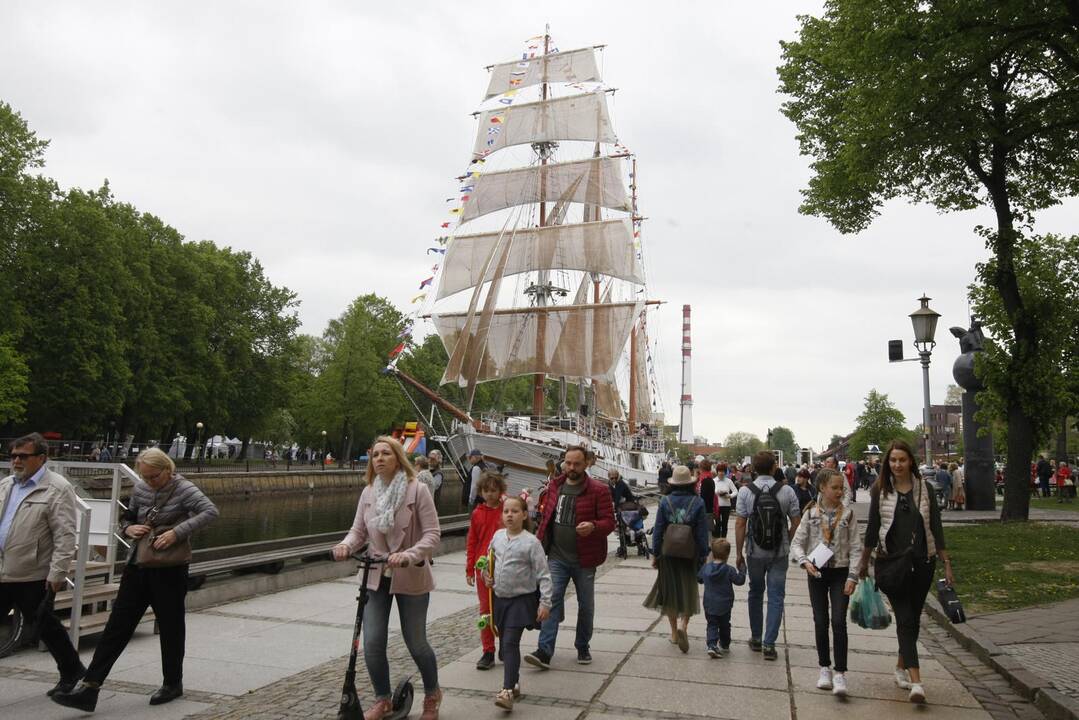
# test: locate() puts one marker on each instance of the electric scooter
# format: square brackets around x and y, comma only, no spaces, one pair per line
[403,694]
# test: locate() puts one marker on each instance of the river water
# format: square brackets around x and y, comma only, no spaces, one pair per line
[275,515]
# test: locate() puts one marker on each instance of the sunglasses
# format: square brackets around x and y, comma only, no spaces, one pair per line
[24,456]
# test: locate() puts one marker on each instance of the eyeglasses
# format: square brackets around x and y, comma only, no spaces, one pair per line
[24,456]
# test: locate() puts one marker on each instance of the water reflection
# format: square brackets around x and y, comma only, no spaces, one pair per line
[275,515]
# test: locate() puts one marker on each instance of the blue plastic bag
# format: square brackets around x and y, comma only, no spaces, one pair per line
[867,607]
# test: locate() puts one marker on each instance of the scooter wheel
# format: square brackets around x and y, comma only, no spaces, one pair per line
[401,700]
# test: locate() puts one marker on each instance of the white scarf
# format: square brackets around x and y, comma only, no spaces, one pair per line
[388,500]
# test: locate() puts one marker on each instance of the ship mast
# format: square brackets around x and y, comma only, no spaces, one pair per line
[633,389]
[542,289]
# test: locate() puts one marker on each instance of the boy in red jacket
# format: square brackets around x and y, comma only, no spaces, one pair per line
[577,518]
[486,520]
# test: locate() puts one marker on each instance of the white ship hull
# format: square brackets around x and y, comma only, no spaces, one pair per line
[526,455]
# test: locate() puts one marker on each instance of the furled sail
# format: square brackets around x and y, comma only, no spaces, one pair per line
[576,117]
[602,185]
[604,247]
[568,67]
[511,348]
[643,394]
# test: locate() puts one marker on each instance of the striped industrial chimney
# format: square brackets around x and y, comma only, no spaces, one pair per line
[685,424]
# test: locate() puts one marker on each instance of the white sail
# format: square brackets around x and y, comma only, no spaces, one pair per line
[577,117]
[642,391]
[599,181]
[568,67]
[598,331]
[604,247]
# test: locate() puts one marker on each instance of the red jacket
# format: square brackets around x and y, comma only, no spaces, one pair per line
[486,521]
[593,505]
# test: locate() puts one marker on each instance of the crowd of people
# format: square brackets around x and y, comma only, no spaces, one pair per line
[522,555]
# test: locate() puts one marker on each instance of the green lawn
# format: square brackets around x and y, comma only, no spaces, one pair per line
[1002,566]
[1051,503]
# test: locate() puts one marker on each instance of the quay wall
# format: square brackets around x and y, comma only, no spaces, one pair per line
[220,484]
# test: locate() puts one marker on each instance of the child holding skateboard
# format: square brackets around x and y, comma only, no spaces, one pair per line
[519,568]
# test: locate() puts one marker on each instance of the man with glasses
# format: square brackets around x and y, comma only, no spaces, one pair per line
[37,544]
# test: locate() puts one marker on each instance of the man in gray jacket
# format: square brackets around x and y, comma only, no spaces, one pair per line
[37,543]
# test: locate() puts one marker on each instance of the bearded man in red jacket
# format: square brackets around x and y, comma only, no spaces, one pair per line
[577,518]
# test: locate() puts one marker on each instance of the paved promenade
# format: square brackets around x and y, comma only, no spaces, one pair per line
[283,656]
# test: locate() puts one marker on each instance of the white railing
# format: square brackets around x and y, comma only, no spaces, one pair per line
[82,556]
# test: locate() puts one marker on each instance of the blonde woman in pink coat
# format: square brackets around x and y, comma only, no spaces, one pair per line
[396,518]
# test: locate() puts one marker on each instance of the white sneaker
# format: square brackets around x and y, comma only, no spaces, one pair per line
[917,693]
[824,682]
[839,685]
[902,679]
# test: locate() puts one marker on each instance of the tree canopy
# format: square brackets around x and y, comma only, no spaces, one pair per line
[783,439]
[880,423]
[960,104]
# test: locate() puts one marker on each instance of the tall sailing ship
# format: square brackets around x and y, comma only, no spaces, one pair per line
[543,277]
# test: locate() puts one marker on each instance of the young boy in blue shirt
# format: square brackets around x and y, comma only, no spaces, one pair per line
[719,580]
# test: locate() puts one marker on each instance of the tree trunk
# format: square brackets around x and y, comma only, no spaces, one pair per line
[1017,470]
[1062,441]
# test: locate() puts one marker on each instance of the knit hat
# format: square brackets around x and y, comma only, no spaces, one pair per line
[681,476]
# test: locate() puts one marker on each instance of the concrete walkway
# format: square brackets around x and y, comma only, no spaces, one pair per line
[283,656]
[1045,639]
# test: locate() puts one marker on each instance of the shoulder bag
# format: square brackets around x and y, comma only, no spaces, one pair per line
[147,556]
[678,536]
[892,570]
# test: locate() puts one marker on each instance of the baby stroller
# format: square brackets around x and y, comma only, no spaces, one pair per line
[630,515]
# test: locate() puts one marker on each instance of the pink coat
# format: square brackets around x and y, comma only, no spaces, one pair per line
[415,532]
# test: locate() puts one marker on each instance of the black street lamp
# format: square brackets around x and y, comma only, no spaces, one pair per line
[924,320]
[198,445]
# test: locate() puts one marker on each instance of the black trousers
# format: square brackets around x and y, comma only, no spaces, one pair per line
[162,589]
[907,605]
[720,529]
[27,596]
[825,591]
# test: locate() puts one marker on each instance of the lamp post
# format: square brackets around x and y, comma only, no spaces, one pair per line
[323,458]
[198,445]
[924,320]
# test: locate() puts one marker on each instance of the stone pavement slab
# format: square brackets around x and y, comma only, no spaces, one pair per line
[700,699]
[720,671]
[819,705]
[560,683]
[21,699]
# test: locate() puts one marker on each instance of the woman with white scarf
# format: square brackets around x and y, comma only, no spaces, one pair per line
[396,518]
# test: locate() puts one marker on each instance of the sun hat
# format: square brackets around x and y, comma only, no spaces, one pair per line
[681,476]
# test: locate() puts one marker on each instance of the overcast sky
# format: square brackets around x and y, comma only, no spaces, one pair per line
[324,138]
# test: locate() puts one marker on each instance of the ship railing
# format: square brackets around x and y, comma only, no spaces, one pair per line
[612,434]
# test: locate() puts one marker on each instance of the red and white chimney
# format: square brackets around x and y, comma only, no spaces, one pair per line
[685,423]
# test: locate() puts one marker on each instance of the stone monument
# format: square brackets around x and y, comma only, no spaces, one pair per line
[978,467]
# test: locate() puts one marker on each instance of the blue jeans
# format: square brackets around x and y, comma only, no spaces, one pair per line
[412,609]
[770,572]
[584,582]
[718,632]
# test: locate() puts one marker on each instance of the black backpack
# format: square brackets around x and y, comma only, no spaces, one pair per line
[766,522]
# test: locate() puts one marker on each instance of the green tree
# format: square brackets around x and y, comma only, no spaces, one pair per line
[1047,269]
[350,397]
[739,445]
[783,439]
[25,202]
[880,423]
[959,104]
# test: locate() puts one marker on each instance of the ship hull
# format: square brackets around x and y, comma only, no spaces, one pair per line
[528,461]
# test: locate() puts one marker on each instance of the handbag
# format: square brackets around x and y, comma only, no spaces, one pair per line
[949,601]
[891,571]
[147,556]
[678,539]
